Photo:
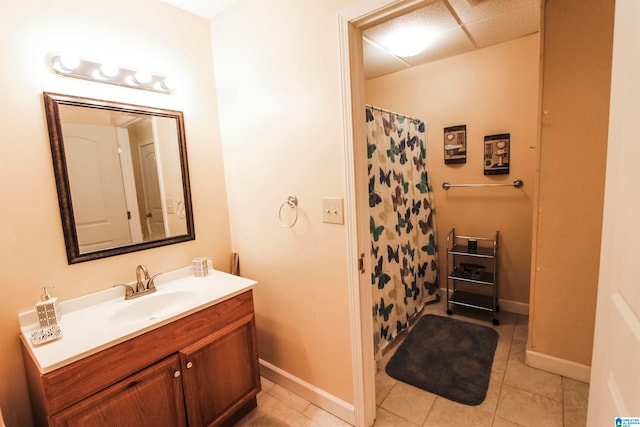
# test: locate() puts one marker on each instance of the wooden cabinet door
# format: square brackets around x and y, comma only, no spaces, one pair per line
[152,397]
[221,373]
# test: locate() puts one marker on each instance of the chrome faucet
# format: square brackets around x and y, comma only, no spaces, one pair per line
[144,284]
[141,281]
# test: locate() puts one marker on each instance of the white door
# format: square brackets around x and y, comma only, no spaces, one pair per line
[152,195]
[615,371]
[97,191]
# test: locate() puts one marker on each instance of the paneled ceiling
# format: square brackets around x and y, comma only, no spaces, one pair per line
[460,26]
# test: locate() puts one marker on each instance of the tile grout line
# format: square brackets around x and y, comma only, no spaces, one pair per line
[562,398]
[395,383]
[504,375]
[516,386]
[430,409]
[290,406]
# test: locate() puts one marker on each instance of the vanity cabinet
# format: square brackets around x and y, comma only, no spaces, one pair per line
[200,370]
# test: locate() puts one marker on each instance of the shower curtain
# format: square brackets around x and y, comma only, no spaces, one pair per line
[402,223]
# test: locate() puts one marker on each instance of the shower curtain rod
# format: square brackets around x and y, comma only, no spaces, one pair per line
[392,112]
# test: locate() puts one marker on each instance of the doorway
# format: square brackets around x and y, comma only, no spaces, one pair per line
[352,22]
[151,192]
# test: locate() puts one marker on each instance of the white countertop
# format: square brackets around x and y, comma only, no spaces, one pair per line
[103,319]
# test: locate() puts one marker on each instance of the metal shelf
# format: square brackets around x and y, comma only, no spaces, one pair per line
[458,250]
[472,300]
[485,278]
[480,253]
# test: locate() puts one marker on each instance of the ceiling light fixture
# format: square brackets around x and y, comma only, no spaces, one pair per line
[408,41]
[70,66]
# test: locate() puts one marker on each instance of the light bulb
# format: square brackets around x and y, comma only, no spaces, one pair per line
[108,70]
[68,62]
[168,83]
[141,77]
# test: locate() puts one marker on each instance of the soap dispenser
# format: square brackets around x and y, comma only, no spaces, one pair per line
[47,309]
[48,313]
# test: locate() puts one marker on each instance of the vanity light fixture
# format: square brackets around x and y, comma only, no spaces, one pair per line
[70,66]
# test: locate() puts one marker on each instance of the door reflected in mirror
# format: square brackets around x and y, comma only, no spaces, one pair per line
[122,176]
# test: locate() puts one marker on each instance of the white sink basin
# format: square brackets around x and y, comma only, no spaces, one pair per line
[96,321]
[153,306]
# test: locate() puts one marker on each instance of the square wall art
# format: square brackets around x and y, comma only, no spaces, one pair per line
[496,154]
[455,144]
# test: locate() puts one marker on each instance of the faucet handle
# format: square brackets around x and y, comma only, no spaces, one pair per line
[128,290]
[150,283]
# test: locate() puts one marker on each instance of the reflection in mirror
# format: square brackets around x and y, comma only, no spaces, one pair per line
[122,176]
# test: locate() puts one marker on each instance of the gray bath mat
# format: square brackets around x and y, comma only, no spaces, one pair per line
[447,357]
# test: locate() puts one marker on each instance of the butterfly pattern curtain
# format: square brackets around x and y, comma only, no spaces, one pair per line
[402,223]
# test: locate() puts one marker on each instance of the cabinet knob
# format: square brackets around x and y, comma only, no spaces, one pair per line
[189,365]
[176,374]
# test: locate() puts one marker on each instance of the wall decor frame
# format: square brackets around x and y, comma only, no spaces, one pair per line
[496,154]
[455,144]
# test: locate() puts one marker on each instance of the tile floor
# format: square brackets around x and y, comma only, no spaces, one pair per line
[517,396]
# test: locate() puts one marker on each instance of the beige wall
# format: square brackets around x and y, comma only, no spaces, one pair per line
[491,90]
[576,83]
[143,33]
[278,80]
[279,100]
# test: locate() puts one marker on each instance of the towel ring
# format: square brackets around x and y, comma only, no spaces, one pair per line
[292,202]
[180,210]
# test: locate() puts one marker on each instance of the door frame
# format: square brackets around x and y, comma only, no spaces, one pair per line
[351,22]
[130,192]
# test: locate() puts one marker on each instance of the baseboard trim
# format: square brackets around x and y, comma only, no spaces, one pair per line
[313,394]
[505,305]
[555,365]
[514,306]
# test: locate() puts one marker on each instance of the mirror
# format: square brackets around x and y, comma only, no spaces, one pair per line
[122,176]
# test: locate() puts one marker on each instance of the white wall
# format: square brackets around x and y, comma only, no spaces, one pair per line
[278,80]
[142,33]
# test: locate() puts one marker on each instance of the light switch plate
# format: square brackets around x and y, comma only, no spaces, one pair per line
[170,206]
[332,211]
